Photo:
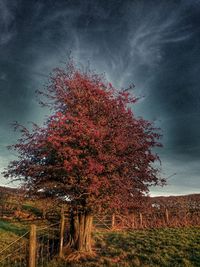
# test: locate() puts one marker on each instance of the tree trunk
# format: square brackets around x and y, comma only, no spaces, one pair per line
[80,232]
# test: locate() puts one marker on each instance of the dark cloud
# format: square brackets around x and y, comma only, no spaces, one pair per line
[154,44]
[7,23]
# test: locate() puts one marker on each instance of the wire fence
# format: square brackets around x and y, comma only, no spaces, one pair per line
[147,220]
[32,249]
[40,245]
[15,254]
[47,240]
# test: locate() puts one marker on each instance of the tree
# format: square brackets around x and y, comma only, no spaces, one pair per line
[92,150]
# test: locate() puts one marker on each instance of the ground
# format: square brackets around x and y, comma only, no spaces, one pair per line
[146,248]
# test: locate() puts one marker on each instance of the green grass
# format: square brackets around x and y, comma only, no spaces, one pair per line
[149,248]
[14,253]
[146,248]
[9,232]
[33,210]
[12,230]
[9,227]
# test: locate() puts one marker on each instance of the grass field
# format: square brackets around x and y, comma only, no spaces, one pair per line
[9,232]
[146,248]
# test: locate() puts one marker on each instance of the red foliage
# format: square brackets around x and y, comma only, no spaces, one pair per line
[92,149]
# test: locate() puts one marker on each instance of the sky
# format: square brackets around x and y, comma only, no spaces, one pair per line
[153,44]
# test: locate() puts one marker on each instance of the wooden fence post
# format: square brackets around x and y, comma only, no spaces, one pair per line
[113,220]
[132,220]
[62,229]
[167,216]
[141,220]
[2,209]
[32,246]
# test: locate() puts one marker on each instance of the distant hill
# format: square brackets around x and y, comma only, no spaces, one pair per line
[179,196]
[163,200]
[10,190]
[189,202]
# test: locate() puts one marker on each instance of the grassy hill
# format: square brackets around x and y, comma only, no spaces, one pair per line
[164,247]
[149,248]
[146,248]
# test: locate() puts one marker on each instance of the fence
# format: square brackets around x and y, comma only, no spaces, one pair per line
[145,220]
[160,213]
[35,248]
[15,254]
[39,245]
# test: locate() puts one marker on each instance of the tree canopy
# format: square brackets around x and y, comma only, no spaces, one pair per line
[92,148]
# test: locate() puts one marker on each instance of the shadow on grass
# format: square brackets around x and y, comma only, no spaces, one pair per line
[12,228]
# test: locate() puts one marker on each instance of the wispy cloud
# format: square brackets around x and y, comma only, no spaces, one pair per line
[149,29]
[152,43]
[7,20]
